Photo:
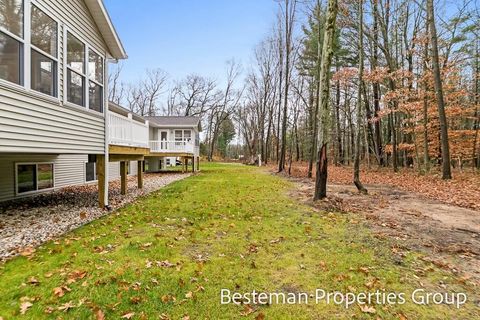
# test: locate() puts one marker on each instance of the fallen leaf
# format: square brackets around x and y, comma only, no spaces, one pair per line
[33,281]
[99,315]
[135,300]
[186,317]
[128,315]
[367,309]
[401,316]
[66,306]
[189,295]
[260,316]
[28,251]
[24,306]
[247,310]
[83,215]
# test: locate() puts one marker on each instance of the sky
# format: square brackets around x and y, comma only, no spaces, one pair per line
[189,36]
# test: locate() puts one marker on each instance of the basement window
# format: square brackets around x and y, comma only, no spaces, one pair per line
[32,177]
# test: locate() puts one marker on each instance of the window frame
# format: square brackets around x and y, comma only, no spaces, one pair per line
[36,173]
[101,85]
[94,172]
[85,75]
[40,51]
[23,45]
[26,52]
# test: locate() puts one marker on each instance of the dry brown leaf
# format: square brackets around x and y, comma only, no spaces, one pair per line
[24,306]
[260,316]
[401,316]
[128,315]
[66,306]
[99,315]
[58,291]
[247,310]
[367,309]
[33,281]
[189,295]
[28,251]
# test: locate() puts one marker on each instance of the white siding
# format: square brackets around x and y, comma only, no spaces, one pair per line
[30,123]
[114,170]
[68,170]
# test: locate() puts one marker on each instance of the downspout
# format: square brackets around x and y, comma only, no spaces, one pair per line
[106,130]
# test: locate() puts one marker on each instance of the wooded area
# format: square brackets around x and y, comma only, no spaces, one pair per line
[389,83]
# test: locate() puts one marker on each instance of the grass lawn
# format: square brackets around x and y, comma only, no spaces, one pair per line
[230,227]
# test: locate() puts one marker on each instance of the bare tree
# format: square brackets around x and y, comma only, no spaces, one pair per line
[446,169]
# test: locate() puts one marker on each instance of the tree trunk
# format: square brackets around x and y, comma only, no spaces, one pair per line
[356,164]
[327,53]
[446,169]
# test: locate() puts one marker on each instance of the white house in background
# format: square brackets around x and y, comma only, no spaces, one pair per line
[173,137]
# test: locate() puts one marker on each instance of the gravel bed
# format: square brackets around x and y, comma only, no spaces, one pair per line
[30,222]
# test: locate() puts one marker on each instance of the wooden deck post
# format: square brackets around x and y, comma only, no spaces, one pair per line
[100,167]
[193,164]
[186,164]
[140,174]
[198,163]
[123,177]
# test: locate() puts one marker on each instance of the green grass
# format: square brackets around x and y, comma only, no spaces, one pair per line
[231,227]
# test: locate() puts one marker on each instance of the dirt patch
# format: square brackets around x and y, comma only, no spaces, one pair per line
[449,235]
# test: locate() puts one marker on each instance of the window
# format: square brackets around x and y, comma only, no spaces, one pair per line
[183,135]
[11,16]
[43,53]
[10,62]
[45,176]
[95,76]
[11,40]
[187,135]
[75,70]
[34,177]
[178,135]
[26,178]
[91,169]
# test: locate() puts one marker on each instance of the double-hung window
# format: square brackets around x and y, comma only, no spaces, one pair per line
[75,70]
[84,70]
[95,81]
[43,38]
[11,40]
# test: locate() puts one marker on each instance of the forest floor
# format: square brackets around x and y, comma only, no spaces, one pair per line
[419,212]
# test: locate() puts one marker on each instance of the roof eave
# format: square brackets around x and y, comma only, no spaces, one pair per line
[105,25]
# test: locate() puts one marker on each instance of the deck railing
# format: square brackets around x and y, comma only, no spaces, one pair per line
[126,131]
[172,146]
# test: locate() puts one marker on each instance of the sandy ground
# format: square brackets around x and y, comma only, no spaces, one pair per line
[448,235]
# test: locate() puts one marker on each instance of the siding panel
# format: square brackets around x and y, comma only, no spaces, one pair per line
[69,170]
[30,123]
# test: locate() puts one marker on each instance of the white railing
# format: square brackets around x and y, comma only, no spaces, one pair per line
[125,131]
[172,146]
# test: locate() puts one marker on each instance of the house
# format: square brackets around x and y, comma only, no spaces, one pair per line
[55,127]
[173,137]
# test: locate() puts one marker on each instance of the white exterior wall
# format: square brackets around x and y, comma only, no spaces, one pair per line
[69,170]
[114,170]
[35,123]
